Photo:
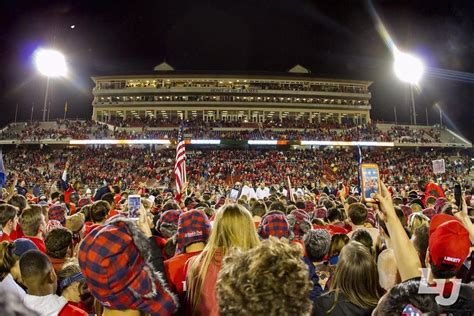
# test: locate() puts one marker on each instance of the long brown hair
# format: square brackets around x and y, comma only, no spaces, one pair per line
[356,277]
[233,227]
[7,258]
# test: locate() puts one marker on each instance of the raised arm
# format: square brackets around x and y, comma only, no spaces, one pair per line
[405,253]
[463,216]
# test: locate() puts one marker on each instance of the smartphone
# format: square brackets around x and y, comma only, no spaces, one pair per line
[134,202]
[370,181]
[458,194]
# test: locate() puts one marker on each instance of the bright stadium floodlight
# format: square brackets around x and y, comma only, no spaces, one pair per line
[262,142]
[410,69]
[343,143]
[205,141]
[49,63]
[119,142]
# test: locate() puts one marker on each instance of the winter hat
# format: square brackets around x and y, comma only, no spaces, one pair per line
[320,212]
[57,212]
[317,243]
[300,223]
[22,245]
[193,226]
[75,222]
[429,212]
[440,202]
[371,219]
[83,201]
[167,225]
[274,224]
[309,206]
[448,243]
[406,210]
[116,262]
[52,224]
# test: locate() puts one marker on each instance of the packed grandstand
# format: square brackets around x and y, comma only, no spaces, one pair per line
[270,220]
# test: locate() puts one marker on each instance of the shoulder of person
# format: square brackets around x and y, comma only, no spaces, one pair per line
[71,310]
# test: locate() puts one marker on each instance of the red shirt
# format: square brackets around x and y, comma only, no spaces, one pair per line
[38,242]
[71,310]
[113,213]
[17,233]
[90,227]
[4,237]
[176,271]
[334,229]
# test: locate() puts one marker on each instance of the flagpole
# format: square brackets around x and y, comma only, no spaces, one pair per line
[185,178]
[49,109]
[32,110]
[292,198]
[16,112]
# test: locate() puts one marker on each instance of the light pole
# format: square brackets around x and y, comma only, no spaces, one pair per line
[409,69]
[50,63]
[440,114]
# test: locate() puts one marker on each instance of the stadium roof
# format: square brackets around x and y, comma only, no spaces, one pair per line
[299,69]
[297,72]
[164,66]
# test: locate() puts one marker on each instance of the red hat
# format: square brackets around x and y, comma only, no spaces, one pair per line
[449,242]
[57,212]
[320,212]
[193,226]
[300,223]
[275,224]
[115,259]
[83,202]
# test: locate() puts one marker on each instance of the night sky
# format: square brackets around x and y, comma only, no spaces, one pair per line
[331,38]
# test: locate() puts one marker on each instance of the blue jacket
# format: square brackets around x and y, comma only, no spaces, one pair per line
[317,289]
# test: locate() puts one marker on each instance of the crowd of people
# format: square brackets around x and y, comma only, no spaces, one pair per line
[256,246]
[198,129]
[132,165]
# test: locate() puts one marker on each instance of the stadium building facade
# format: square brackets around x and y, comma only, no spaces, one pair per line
[171,95]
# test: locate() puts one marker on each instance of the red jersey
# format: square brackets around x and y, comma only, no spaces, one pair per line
[71,310]
[334,229]
[113,213]
[38,242]
[4,237]
[176,271]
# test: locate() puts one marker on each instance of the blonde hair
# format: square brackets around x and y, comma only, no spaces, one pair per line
[416,220]
[359,283]
[233,227]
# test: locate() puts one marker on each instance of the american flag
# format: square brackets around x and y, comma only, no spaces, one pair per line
[180,165]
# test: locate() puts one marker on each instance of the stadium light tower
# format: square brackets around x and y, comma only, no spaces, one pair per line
[409,69]
[50,63]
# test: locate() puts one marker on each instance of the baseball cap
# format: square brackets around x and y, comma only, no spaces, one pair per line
[449,242]
[22,245]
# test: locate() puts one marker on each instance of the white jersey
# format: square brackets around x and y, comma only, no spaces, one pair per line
[262,193]
[249,192]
